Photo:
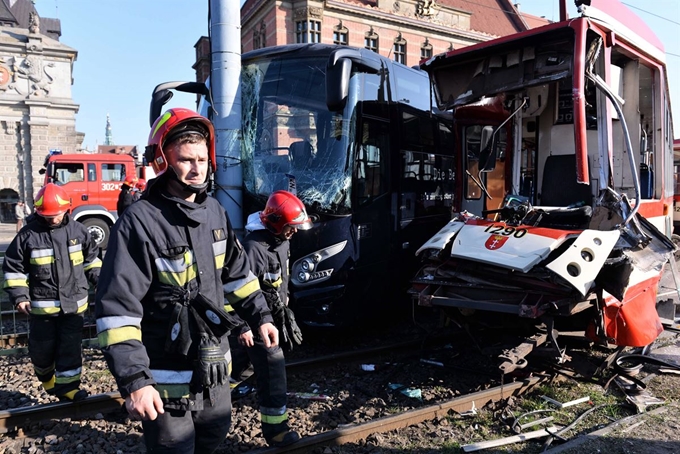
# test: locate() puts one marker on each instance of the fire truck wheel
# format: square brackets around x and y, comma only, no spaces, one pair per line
[99,230]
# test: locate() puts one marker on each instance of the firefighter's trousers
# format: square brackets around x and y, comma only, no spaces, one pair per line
[55,347]
[269,366]
[189,432]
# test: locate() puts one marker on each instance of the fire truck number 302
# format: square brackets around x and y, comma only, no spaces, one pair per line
[110,186]
[505,230]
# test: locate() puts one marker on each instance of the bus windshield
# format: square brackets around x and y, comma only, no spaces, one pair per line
[291,140]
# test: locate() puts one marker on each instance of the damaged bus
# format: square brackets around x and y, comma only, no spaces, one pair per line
[353,134]
[564,143]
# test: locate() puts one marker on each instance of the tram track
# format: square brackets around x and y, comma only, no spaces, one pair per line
[354,433]
[15,419]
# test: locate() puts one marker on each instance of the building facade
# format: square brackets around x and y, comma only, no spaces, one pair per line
[37,112]
[404,30]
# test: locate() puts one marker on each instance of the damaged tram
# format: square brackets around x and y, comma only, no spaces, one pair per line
[564,143]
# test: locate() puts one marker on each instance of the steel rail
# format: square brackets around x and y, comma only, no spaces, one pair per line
[354,433]
[11,420]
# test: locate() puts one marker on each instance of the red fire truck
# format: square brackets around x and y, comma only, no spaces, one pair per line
[93,181]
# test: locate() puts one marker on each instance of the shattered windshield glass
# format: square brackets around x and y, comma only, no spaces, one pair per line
[290,139]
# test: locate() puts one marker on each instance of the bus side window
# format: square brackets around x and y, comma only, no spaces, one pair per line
[370,162]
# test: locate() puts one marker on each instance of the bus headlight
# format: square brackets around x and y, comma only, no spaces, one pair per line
[308,270]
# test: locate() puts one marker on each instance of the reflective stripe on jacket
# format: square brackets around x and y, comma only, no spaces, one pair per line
[162,247]
[51,267]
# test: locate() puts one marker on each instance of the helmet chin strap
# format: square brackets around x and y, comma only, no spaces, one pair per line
[189,188]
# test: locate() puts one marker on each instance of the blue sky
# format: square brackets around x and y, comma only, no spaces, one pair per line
[127,47]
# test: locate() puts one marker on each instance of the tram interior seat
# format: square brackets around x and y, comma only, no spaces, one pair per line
[560,189]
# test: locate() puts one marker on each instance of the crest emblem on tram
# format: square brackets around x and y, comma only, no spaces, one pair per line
[495,242]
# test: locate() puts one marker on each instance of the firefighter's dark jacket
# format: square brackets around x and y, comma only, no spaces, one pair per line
[268,256]
[160,247]
[51,266]
[125,199]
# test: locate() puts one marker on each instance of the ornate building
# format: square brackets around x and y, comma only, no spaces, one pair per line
[37,112]
[405,30]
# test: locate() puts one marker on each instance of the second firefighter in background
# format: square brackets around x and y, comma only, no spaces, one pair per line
[47,268]
[268,249]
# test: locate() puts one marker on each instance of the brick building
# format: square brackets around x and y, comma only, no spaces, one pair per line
[405,30]
[37,112]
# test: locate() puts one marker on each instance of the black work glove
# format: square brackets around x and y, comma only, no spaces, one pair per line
[293,328]
[212,366]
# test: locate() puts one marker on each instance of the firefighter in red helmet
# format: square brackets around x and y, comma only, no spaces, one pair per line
[47,268]
[126,195]
[164,332]
[268,252]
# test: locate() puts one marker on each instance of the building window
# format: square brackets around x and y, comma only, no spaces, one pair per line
[426,49]
[259,36]
[371,41]
[308,31]
[340,35]
[399,50]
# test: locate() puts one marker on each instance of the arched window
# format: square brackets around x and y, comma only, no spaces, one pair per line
[399,49]
[371,40]
[340,35]
[426,49]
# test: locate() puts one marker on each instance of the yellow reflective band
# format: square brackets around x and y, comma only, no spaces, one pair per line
[173,391]
[62,202]
[77,258]
[219,261]
[42,260]
[48,385]
[276,284]
[178,279]
[166,116]
[71,394]
[97,263]
[273,419]
[82,308]
[16,283]
[117,335]
[44,310]
[229,308]
[62,380]
[243,292]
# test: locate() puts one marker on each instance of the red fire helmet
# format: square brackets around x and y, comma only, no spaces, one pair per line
[170,126]
[282,209]
[52,200]
[130,180]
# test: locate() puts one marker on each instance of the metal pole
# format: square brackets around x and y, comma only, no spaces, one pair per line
[225,43]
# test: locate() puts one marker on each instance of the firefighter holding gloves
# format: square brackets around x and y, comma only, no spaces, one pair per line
[47,268]
[268,251]
[161,319]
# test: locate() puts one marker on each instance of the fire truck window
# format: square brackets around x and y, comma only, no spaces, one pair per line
[113,172]
[69,173]
[91,172]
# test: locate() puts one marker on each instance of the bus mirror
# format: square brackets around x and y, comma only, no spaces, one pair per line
[487,157]
[337,84]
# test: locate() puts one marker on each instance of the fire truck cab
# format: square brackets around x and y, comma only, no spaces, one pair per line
[93,181]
